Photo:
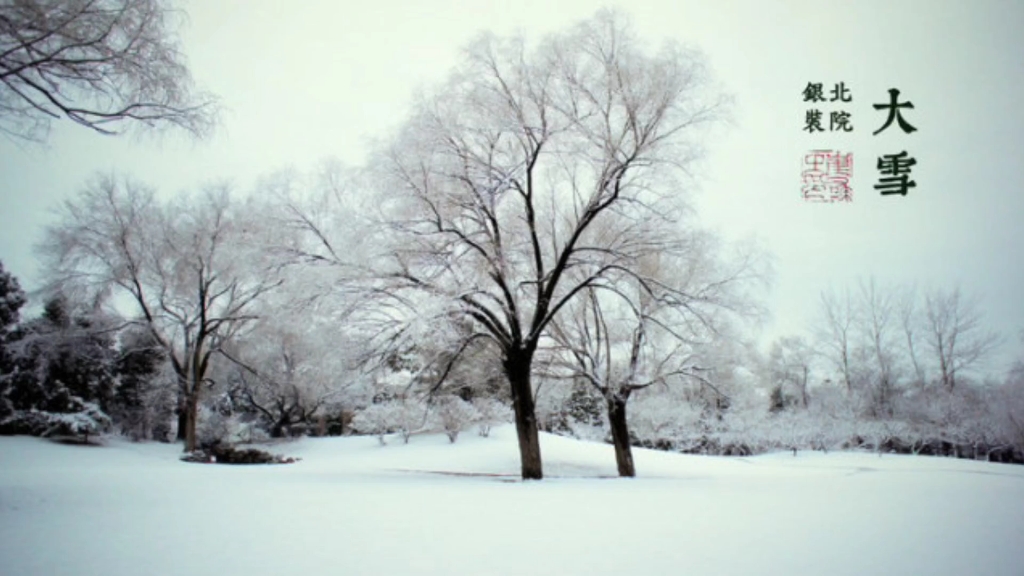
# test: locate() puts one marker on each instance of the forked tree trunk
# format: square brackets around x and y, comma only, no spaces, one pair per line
[517,369]
[620,435]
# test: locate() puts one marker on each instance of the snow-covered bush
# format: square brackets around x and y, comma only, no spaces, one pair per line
[551,397]
[585,406]
[403,416]
[376,419]
[660,419]
[1009,400]
[216,428]
[490,412]
[85,420]
[455,415]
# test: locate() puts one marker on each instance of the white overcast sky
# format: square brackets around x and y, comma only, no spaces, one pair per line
[303,80]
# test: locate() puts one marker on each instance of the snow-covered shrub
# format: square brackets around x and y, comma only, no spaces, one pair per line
[412,416]
[585,406]
[455,415]
[403,416]
[228,455]
[215,428]
[550,405]
[250,432]
[1008,412]
[88,420]
[376,419]
[85,420]
[656,419]
[490,412]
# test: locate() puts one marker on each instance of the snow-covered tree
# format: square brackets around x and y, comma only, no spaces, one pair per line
[955,334]
[911,325]
[835,333]
[876,322]
[63,372]
[99,63]
[788,372]
[619,343]
[292,366]
[528,164]
[144,400]
[12,298]
[191,268]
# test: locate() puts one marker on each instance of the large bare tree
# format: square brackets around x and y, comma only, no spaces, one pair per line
[532,177]
[103,64]
[188,267]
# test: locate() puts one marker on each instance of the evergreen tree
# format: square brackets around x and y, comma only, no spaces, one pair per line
[60,378]
[141,402]
[12,298]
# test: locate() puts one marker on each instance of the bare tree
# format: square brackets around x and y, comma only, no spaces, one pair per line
[186,267]
[875,318]
[909,317]
[292,365]
[100,63]
[955,334]
[277,394]
[836,332]
[629,338]
[616,363]
[789,363]
[526,166]
[589,343]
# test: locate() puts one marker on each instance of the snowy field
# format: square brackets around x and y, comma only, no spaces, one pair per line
[352,507]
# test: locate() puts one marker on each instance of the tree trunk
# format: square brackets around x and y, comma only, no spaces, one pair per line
[517,369]
[277,431]
[182,416]
[191,415]
[846,374]
[918,373]
[803,389]
[620,435]
[944,366]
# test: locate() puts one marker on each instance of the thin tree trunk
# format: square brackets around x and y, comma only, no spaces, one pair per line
[620,435]
[803,389]
[846,372]
[944,365]
[517,369]
[918,373]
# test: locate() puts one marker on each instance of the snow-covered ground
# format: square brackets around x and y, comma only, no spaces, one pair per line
[352,507]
